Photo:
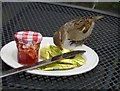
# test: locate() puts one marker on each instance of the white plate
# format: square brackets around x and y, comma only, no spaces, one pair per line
[9,56]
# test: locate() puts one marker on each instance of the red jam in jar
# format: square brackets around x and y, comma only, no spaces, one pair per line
[28,44]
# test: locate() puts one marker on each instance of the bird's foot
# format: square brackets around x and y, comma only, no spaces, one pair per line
[77,43]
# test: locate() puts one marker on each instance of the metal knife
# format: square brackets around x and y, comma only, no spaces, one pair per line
[42,63]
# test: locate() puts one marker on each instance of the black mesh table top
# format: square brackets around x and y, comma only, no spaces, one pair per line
[46,18]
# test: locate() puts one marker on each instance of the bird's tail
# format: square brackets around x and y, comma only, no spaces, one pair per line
[95,18]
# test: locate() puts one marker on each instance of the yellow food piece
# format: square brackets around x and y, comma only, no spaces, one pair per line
[54,51]
[56,66]
[44,53]
[68,61]
[64,64]
[66,50]
[79,59]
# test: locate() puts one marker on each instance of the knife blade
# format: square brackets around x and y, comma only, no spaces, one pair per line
[42,63]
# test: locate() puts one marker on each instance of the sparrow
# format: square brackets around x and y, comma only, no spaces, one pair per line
[76,30]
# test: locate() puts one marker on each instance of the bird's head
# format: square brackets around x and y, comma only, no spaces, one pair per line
[58,39]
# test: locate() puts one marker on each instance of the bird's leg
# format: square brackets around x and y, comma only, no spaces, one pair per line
[78,43]
[84,40]
[72,42]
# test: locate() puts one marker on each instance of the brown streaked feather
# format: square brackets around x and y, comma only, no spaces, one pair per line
[77,30]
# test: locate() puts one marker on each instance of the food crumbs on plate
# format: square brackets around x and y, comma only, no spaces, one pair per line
[64,64]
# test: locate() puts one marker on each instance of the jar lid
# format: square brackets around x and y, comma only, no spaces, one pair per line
[29,37]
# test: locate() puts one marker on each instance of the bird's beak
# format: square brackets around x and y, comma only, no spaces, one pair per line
[61,47]
[57,40]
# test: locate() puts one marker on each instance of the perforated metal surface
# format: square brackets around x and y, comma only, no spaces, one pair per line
[46,19]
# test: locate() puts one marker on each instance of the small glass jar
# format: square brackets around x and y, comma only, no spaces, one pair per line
[28,44]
